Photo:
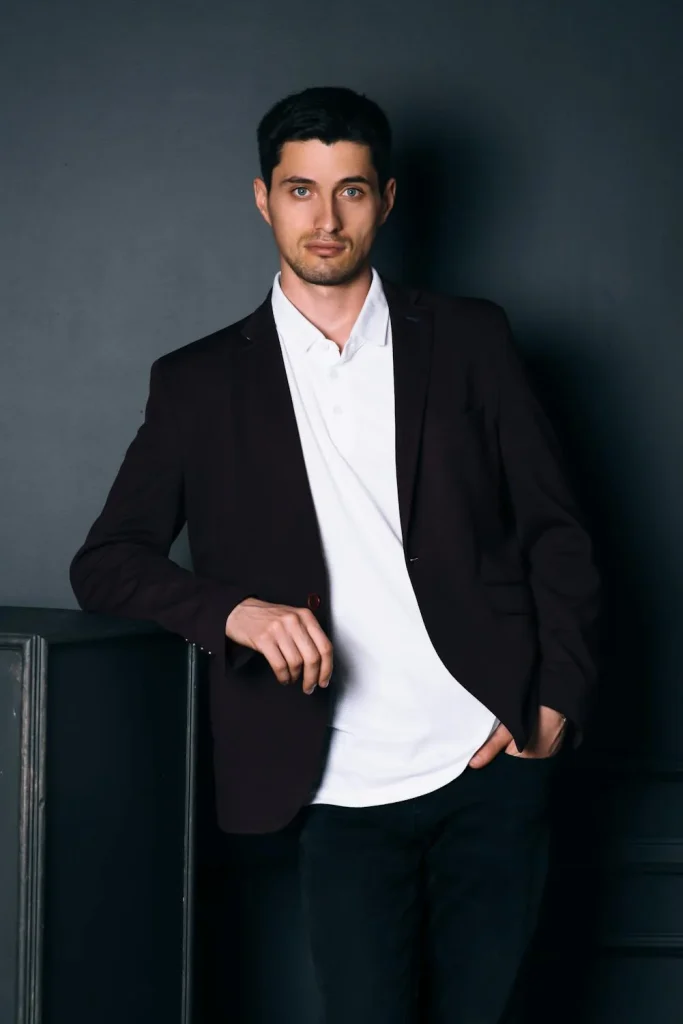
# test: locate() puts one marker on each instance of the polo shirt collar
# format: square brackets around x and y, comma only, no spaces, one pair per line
[370,326]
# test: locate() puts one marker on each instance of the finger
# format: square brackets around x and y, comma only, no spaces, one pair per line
[310,652]
[323,644]
[485,755]
[294,643]
[275,657]
[289,647]
[295,648]
[493,746]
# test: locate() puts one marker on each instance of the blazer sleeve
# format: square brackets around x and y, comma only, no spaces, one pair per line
[553,538]
[123,566]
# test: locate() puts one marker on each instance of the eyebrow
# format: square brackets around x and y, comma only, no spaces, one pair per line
[353,179]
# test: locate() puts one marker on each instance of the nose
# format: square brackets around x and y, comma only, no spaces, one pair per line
[327,216]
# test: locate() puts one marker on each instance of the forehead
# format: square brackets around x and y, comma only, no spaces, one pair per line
[321,162]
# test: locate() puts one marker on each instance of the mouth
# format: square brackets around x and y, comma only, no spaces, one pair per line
[325,248]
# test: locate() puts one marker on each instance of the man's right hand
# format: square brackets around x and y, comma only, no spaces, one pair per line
[291,639]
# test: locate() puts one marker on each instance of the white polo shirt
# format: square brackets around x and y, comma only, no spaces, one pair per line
[402,724]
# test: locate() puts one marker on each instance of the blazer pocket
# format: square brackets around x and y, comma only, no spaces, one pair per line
[513,598]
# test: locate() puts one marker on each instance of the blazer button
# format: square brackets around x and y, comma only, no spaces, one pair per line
[313,601]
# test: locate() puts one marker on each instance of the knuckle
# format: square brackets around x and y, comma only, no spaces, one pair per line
[277,627]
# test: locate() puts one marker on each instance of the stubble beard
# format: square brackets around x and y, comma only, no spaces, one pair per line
[324,272]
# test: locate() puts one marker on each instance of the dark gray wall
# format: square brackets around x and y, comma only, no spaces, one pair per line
[540,163]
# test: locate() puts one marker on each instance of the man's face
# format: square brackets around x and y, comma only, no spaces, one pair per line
[327,195]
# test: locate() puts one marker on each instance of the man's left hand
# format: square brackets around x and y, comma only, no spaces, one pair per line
[545,740]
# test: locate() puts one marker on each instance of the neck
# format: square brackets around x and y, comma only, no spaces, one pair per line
[333,309]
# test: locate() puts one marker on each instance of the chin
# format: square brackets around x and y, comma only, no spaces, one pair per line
[323,272]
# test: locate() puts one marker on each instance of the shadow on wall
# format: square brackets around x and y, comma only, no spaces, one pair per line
[449,200]
[575,390]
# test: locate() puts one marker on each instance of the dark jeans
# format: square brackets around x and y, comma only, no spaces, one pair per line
[437,894]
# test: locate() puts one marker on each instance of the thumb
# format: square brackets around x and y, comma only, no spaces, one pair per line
[493,746]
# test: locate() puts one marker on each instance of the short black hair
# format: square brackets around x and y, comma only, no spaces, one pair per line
[331,114]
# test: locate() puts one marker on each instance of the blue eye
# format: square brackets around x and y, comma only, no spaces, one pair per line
[298,191]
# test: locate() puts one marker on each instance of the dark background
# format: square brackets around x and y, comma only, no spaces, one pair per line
[539,156]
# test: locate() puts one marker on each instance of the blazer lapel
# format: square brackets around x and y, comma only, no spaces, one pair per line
[264,390]
[270,447]
[412,337]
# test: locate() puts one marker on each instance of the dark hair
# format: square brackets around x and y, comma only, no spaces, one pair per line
[331,114]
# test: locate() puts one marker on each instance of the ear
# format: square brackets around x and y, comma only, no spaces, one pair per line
[261,199]
[388,199]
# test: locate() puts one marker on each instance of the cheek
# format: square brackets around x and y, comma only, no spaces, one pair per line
[290,226]
[361,226]
[356,229]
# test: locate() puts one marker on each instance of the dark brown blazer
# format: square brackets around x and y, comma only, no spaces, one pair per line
[494,543]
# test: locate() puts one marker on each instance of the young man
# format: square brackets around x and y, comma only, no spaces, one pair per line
[377,512]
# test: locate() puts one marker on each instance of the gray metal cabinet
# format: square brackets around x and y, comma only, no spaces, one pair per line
[97,735]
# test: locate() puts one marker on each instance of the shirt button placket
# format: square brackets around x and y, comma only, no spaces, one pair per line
[334,391]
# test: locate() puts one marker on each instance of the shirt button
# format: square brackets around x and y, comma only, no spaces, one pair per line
[313,601]
[336,409]
[334,373]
